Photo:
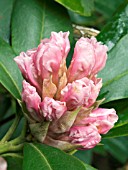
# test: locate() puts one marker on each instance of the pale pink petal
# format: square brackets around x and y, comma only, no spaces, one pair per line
[62,41]
[88,59]
[52,109]
[96,85]
[26,66]
[103,119]
[87,136]
[82,92]
[31,99]
[50,55]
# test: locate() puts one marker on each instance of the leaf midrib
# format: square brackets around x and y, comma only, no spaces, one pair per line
[115,78]
[40,153]
[4,68]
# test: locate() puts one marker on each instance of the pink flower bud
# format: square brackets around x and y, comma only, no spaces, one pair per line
[61,40]
[50,55]
[32,100]
[52,109]
[26,66]
[86,136]
[88,59]
[80,92]
[103,119]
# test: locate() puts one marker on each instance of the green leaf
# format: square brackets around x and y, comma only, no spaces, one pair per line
[10,76]
[115,73]
[33,20]
[5,18]
[82,7]
[88,167]
[40,157]
[14,161]
[85,156]
[116,28]
[118,148]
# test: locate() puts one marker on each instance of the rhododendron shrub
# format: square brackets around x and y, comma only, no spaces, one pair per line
[61,101]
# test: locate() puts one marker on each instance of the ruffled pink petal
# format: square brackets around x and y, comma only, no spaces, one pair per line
[31,99]
[81,92]
[26,66]
[52,109]
[88,59]
[103,119]
[87,136]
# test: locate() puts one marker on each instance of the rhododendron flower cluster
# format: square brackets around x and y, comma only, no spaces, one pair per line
[61,102]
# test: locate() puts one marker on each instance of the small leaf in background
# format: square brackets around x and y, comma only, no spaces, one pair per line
[107,8]
[5,18]
[82,7]
[10,76]
[33,20]
[103,11]
[40,157]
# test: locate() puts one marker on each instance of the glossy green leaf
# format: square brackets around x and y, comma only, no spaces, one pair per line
[40,157]
[82,7]
[115,73]
[116,28]
[33,20]
[5,18]
[14,161]
[10,76]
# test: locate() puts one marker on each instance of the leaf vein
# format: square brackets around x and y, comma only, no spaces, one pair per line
[41,155]
[2,66]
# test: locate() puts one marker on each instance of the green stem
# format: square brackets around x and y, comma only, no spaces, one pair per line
[15,144]
[7,147]
[72,152]
[16,155]
[11,130]
[21,138]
